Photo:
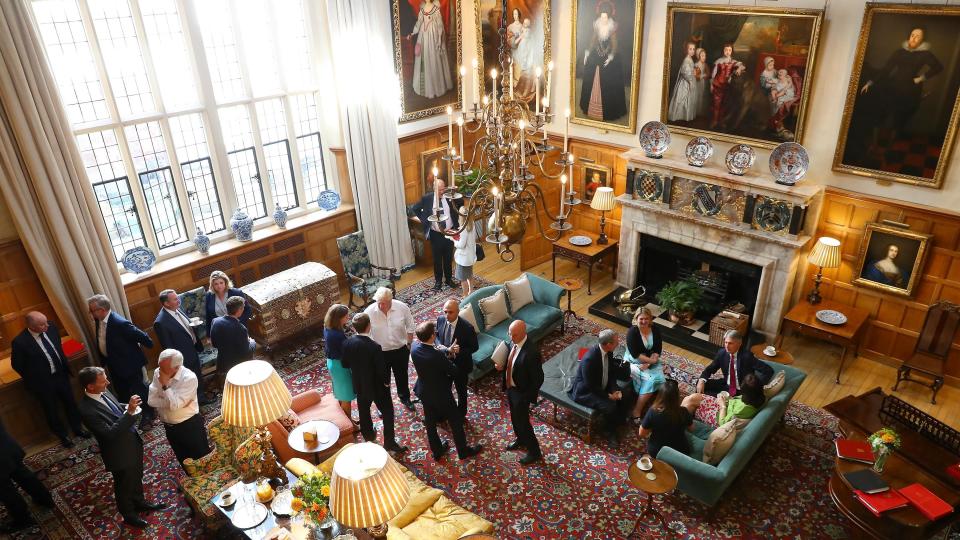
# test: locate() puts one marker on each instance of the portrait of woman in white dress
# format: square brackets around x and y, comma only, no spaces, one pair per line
[431,66]
[525,39]
[426,52]
[684,102]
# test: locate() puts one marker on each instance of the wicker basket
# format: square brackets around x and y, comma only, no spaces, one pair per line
[727,320]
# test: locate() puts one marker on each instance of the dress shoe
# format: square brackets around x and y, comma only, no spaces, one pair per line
[470,451]
[437,286]
[370,437]
[150,507]
[134,521]
[46,503]
[529,458]
[17,525]
[444,448]
[394,446]
[83,434]
[409,405]
[515,445]
[66,442]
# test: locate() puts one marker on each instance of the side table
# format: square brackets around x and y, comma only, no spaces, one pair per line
[802,319]
[782,356]
[570,285]
[664,481]
[589,254]
[327,432]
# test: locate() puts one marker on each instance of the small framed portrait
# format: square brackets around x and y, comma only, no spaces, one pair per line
[594,176]
[428,161]
[891,258]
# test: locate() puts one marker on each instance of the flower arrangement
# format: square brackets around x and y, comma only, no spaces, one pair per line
[886,437]
[311,494]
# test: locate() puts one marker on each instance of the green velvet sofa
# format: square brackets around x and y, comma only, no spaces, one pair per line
[542,316]
[707,483]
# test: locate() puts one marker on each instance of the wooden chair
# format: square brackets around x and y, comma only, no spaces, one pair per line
[933,347]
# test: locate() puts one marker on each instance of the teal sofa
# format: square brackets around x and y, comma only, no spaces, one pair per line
[707,483]
[542,316]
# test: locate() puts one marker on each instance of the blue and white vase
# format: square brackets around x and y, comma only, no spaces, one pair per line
[280,217]
[242,225]
[202,241]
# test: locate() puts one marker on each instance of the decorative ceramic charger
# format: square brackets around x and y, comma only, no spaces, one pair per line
[831,316]
[580,240]
[789,162]
[739,159]
[249,516]
[138,259]
[699,150]
[654,139]
[328,199]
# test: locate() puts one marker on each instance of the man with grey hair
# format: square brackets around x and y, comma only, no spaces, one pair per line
[392,326]
[735,362]
[173,330]
[174,394]
[595,384]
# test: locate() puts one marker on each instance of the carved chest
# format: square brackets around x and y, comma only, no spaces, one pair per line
[291,301]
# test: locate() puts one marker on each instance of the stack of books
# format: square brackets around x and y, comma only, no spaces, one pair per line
[878,497]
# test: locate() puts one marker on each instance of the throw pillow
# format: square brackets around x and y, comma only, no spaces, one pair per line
[519,292]
[775,385]
[289,420]
[466,313]
[494,309]
[719,443]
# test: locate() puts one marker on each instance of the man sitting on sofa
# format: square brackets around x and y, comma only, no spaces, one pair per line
[735,365]
[596,384]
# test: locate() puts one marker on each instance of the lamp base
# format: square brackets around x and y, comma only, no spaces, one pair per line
[378,531]
[814,297]
[269,468]
[603,236]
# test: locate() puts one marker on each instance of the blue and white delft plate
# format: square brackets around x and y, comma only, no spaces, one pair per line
[580,240]
[831,316]
[138,259]
[328,200]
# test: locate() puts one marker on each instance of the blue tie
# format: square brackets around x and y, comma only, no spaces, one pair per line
[116,410]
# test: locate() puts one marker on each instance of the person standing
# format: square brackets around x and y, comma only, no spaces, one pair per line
[431,64]
[391,326]
[371,382]
[215,299]
[441,246]
[334,324]
[465,255]
[459,338]
[735,364]
[173,330]
[13,471]
[435,372]
[173,392]
[37,356]
[684,102]
[522,379]
[121,447]
[595,384]
[231,338]
[725,69]
[119,342]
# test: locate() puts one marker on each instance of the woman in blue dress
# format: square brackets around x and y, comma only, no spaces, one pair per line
[644,346]
[333,338]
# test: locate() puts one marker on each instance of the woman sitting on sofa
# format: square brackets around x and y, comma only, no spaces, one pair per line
[215,300]
[667,420]
[644,346]
[746,405]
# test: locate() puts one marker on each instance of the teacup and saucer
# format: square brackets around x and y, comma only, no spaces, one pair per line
[770,350]
[645,463]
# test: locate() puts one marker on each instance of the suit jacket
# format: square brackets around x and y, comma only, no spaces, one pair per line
[465,336]
[589,379]
[424,209]
[11,455]
[435,373]
[124,358]
[28,359]
[210,307]
[746,363]
[231,339]
[172,335]
[120,447]
[364,357]
[527,371]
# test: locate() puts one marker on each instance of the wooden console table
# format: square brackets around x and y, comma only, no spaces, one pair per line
[802,318]
[590,254]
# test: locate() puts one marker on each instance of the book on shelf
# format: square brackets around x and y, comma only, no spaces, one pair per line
[866,480]
[855,450]
[926,501]
[878,503]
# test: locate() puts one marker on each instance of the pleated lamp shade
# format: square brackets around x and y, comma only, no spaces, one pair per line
[254,395]
[826,253]
[367,487]
[603,199]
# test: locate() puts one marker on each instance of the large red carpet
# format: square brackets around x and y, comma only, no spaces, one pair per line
[577,491]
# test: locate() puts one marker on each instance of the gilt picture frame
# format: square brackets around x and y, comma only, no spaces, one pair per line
[428,160]
[529,57]
[594,176]
[891,258]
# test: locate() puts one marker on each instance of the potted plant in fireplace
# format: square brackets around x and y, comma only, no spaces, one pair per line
[682,298]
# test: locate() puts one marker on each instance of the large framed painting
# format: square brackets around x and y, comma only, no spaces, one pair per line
[605,68]
[426,55]
[900,117]
[528,43]
[891,258]
[428,161]
[739,74]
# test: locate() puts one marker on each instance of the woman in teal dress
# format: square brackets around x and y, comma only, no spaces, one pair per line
[333,338]
[644,346]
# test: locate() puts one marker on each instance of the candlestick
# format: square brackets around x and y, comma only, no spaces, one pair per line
[497,201]
[460,135]
[549,78]
[493,75]
[537,73]
[571,173]
[476,73]
[523,154]
[566,130]
[563,186]
[449,128]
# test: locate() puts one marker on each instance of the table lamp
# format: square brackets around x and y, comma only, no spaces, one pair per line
[604,202]
[253,396]
[825,254]
[367,488]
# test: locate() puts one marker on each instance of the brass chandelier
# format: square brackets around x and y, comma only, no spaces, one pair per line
[503,192]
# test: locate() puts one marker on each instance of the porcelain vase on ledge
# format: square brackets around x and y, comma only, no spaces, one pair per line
[202,241]
[242,225]
[280,217]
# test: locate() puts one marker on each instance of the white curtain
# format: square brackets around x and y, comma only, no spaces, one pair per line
[367,89]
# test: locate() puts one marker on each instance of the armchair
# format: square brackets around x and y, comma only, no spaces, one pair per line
[364,277]
[311,405]
[933,347]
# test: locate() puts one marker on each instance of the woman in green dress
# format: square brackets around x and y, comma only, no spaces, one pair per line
[333,338]
[746,405]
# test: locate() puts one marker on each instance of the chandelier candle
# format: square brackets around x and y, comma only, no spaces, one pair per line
[570,162]
[538,72]
[476,73]
[493,75]
[460,134]
[566,129]
[563,189]
[546,98]
[463,84]
[523,151]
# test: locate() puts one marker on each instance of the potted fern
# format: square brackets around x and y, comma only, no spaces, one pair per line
[682,298]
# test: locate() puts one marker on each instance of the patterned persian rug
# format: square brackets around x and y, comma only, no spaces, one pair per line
[577,491]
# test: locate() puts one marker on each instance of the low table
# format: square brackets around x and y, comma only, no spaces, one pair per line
[323,428]
[589,254]
[782,356]
[570,285]
[802,318]
[664,481]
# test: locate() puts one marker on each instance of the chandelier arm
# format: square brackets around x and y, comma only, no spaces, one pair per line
[480,197]
[528,193]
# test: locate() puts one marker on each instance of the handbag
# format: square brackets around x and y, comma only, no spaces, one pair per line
[480,253]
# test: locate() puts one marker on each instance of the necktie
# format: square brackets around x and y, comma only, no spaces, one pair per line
[186,324]
[115,409]
[448,334]
[51,352]
[733,376]
[513,356]
[603,380]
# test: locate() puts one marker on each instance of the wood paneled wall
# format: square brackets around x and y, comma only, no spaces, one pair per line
[411,147]
[20,293]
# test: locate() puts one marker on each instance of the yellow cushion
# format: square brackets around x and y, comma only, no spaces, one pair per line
[422,497]
[300,467]
[444,520]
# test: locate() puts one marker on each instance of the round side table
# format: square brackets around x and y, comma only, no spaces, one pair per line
[782,356]
[327,431]
[570,285]
[664,481]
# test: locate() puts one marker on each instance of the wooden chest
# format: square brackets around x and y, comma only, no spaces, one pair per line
[291,301]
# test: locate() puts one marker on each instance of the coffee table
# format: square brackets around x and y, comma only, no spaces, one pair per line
[782,356]
[664,481]
[324,429]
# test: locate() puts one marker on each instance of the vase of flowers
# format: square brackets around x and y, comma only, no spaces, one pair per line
[883,443]
[311,497]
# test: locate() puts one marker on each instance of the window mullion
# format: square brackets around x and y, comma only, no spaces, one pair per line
[268,201]
[97,55]
[295,154]
[147,58]
[186,209]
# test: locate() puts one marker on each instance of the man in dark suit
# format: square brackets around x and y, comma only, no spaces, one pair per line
[435,373]
[12,470]
[460,338]
[173,329]
[119,342]
[121,447]
[440,244]
[230,337]
[371,381]
[522,379]
[595,384]
[37,356]
[732,358]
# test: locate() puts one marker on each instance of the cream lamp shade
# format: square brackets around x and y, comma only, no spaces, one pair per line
[367,487]
[826,253]
[254,395]
[603,199]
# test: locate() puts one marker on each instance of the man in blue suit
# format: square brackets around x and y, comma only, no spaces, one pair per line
[441,246]
[735,362]
[173,329]
[459,338]
[230,337]
[595,384]
[119,342]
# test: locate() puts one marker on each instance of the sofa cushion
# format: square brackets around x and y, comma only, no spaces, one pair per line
[421,498]
[444,519]
[486,346]
[773,387]
[328,409]
[719,443]
[494,309]
[519,293]
[289,420]
[466,313]
[538,316]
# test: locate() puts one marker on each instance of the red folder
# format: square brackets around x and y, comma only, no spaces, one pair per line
[71,346]
[855,450]
[879,503]
[926,501]
[583,351]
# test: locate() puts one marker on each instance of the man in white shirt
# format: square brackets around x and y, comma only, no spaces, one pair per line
[173,393]
[392,327]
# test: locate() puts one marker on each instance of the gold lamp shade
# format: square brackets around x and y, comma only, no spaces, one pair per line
[603,199]
[826,253]
[367,488]
[254,395]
